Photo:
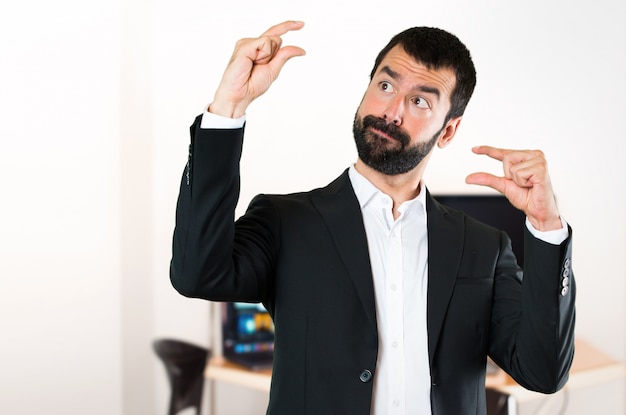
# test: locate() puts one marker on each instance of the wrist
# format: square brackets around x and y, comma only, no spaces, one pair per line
[227,108]
[546,225]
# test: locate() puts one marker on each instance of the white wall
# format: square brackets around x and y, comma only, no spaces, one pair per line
[95,102]
[60,212]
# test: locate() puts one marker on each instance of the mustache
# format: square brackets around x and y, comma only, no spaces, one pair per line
[392,130]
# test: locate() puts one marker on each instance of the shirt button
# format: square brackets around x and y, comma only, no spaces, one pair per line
[396,403]
[564,291]
[393,287]
[394,345]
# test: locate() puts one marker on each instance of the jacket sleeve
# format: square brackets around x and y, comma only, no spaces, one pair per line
[532,336]
[210,259]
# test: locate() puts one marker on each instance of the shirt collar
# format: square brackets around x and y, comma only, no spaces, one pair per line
[365,190]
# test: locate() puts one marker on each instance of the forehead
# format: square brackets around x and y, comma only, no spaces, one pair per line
[414,73]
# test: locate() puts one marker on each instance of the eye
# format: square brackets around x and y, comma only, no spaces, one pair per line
[421,103]
[386,86]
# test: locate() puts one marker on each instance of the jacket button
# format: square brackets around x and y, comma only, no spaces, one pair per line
[365,376]
[565,272]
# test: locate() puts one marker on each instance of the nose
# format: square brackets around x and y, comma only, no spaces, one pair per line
[394,112]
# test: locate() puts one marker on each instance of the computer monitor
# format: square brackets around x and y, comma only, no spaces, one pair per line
[494,210]
[247,335]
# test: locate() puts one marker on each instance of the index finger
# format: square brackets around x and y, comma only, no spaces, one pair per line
[284,27]
[493,152]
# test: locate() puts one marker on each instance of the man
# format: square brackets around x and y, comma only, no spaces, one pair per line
[384,301]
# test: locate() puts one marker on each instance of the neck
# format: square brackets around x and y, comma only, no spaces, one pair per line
[400,187]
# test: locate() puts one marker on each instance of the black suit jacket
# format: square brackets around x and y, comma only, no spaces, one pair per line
[305,257]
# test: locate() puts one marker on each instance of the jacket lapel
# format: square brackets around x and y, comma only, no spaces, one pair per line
[339,207]
[445,246]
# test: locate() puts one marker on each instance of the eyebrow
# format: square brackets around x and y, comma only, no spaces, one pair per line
[422,88]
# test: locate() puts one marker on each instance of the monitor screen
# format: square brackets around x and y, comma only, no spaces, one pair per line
[247,333]
[494,210]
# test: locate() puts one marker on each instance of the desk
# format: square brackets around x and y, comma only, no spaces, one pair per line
[596,385]
[222,370]
[596,381]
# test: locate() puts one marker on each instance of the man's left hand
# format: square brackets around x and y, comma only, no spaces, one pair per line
[526,184]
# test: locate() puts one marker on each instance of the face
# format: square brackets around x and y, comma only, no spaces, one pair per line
[402,114]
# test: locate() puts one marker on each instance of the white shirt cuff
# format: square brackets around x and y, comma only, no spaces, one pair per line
[555,237]
[210,120]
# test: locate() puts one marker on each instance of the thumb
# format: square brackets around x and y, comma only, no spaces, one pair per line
[486,179]
[283,55]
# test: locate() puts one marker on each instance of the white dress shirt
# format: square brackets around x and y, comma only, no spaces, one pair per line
[398,251]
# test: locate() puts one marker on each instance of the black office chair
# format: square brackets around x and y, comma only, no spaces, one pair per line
[184,365]
[497,402]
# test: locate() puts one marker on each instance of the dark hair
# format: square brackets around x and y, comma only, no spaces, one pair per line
[437,49]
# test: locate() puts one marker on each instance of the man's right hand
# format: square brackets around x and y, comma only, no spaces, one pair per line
[255,64]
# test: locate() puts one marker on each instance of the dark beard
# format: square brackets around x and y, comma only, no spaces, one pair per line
[390,158]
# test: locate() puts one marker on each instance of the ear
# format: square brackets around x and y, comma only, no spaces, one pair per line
[449,131]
